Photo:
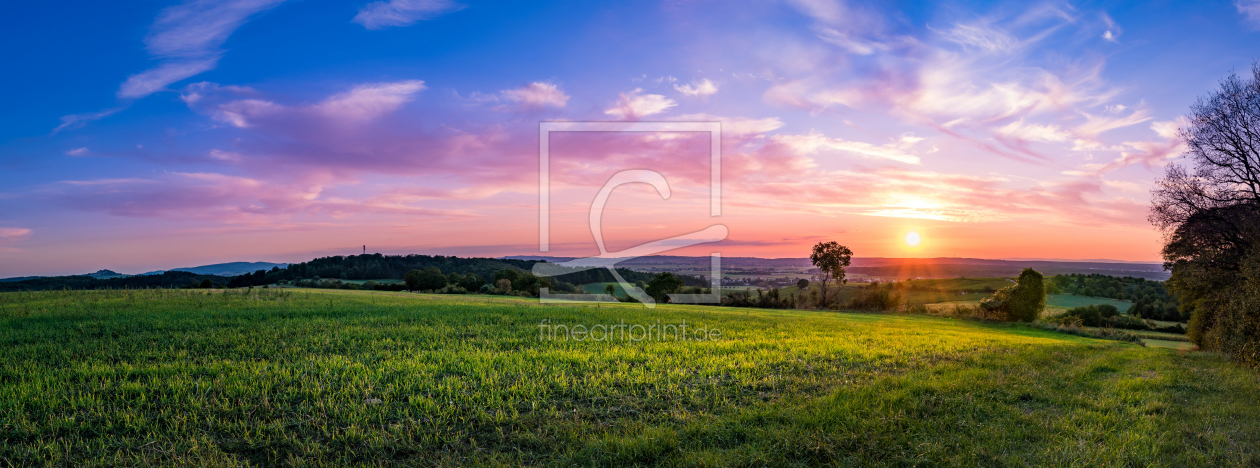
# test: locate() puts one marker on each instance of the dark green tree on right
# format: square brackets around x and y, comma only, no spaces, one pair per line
[1209,214]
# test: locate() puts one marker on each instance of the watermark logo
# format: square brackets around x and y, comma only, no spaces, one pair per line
[607,259]
[621,331]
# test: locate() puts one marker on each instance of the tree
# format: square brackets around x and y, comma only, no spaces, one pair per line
[663,284]
[831,258]
[802,284]
[610,290]
[1210,216]
[1023,301]
[471,282]
[431,278]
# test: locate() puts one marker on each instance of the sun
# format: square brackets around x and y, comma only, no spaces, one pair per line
[912,239]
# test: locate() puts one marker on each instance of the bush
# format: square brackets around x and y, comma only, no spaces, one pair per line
[875,297]
[1022,302]
[1177,328]
[1100,315]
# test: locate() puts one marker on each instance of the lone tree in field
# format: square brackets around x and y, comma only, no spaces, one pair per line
[426,279]
[831,258]
[662,284]
[1210,216]
[1023,301]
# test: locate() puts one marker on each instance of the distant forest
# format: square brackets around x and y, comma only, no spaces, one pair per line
[170,279]
[377,267]
[1151,300]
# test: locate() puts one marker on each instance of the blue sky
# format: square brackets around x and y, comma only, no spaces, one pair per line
[152,135]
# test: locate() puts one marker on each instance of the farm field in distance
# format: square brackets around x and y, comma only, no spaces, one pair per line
[268,377]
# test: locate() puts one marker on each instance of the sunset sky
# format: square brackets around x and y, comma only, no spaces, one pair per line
[150,135]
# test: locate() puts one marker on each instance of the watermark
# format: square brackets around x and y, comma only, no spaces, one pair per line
[607,259]
[621,331]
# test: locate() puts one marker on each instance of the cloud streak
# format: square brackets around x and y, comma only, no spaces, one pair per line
[391,13]
[187,40]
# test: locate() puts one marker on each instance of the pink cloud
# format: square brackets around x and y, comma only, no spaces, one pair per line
[10,234]
[369,101]
[228,199]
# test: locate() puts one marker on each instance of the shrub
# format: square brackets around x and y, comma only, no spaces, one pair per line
[1022,302]
[1100,315]
[875,297]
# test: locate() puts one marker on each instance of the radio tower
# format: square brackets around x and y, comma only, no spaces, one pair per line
[365,249]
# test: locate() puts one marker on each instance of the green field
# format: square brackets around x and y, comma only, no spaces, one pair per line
[598,288]
[1068,301]
[299,377]
[381,281]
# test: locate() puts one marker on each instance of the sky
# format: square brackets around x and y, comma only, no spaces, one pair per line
[150,135]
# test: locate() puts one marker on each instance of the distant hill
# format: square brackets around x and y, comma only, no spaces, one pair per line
[225,269]
[106,274]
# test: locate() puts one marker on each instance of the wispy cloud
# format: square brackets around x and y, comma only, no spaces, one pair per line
[1113,31]
[368,101]
[363,103]
[1250,10]
[815,143]
[74,121]
[187,40]
[83,151]
[384,14]
[634,105]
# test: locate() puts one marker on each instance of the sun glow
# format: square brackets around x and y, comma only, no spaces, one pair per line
[912,239]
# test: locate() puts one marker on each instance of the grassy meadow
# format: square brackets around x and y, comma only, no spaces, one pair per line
[362,378]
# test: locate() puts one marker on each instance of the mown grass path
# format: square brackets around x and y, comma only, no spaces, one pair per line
[342,378]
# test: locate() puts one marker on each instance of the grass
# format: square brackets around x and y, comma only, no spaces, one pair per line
[380,281]
[598,288]
[1170,344]
[343,378]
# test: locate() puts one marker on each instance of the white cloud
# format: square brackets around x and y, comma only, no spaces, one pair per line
[736,126]
[187,39]
[1033,132]
[1112,34]
[698,88]
[78,151]
[384,14]
[814,143]
[537,94]
[1251,10]
[634,105]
